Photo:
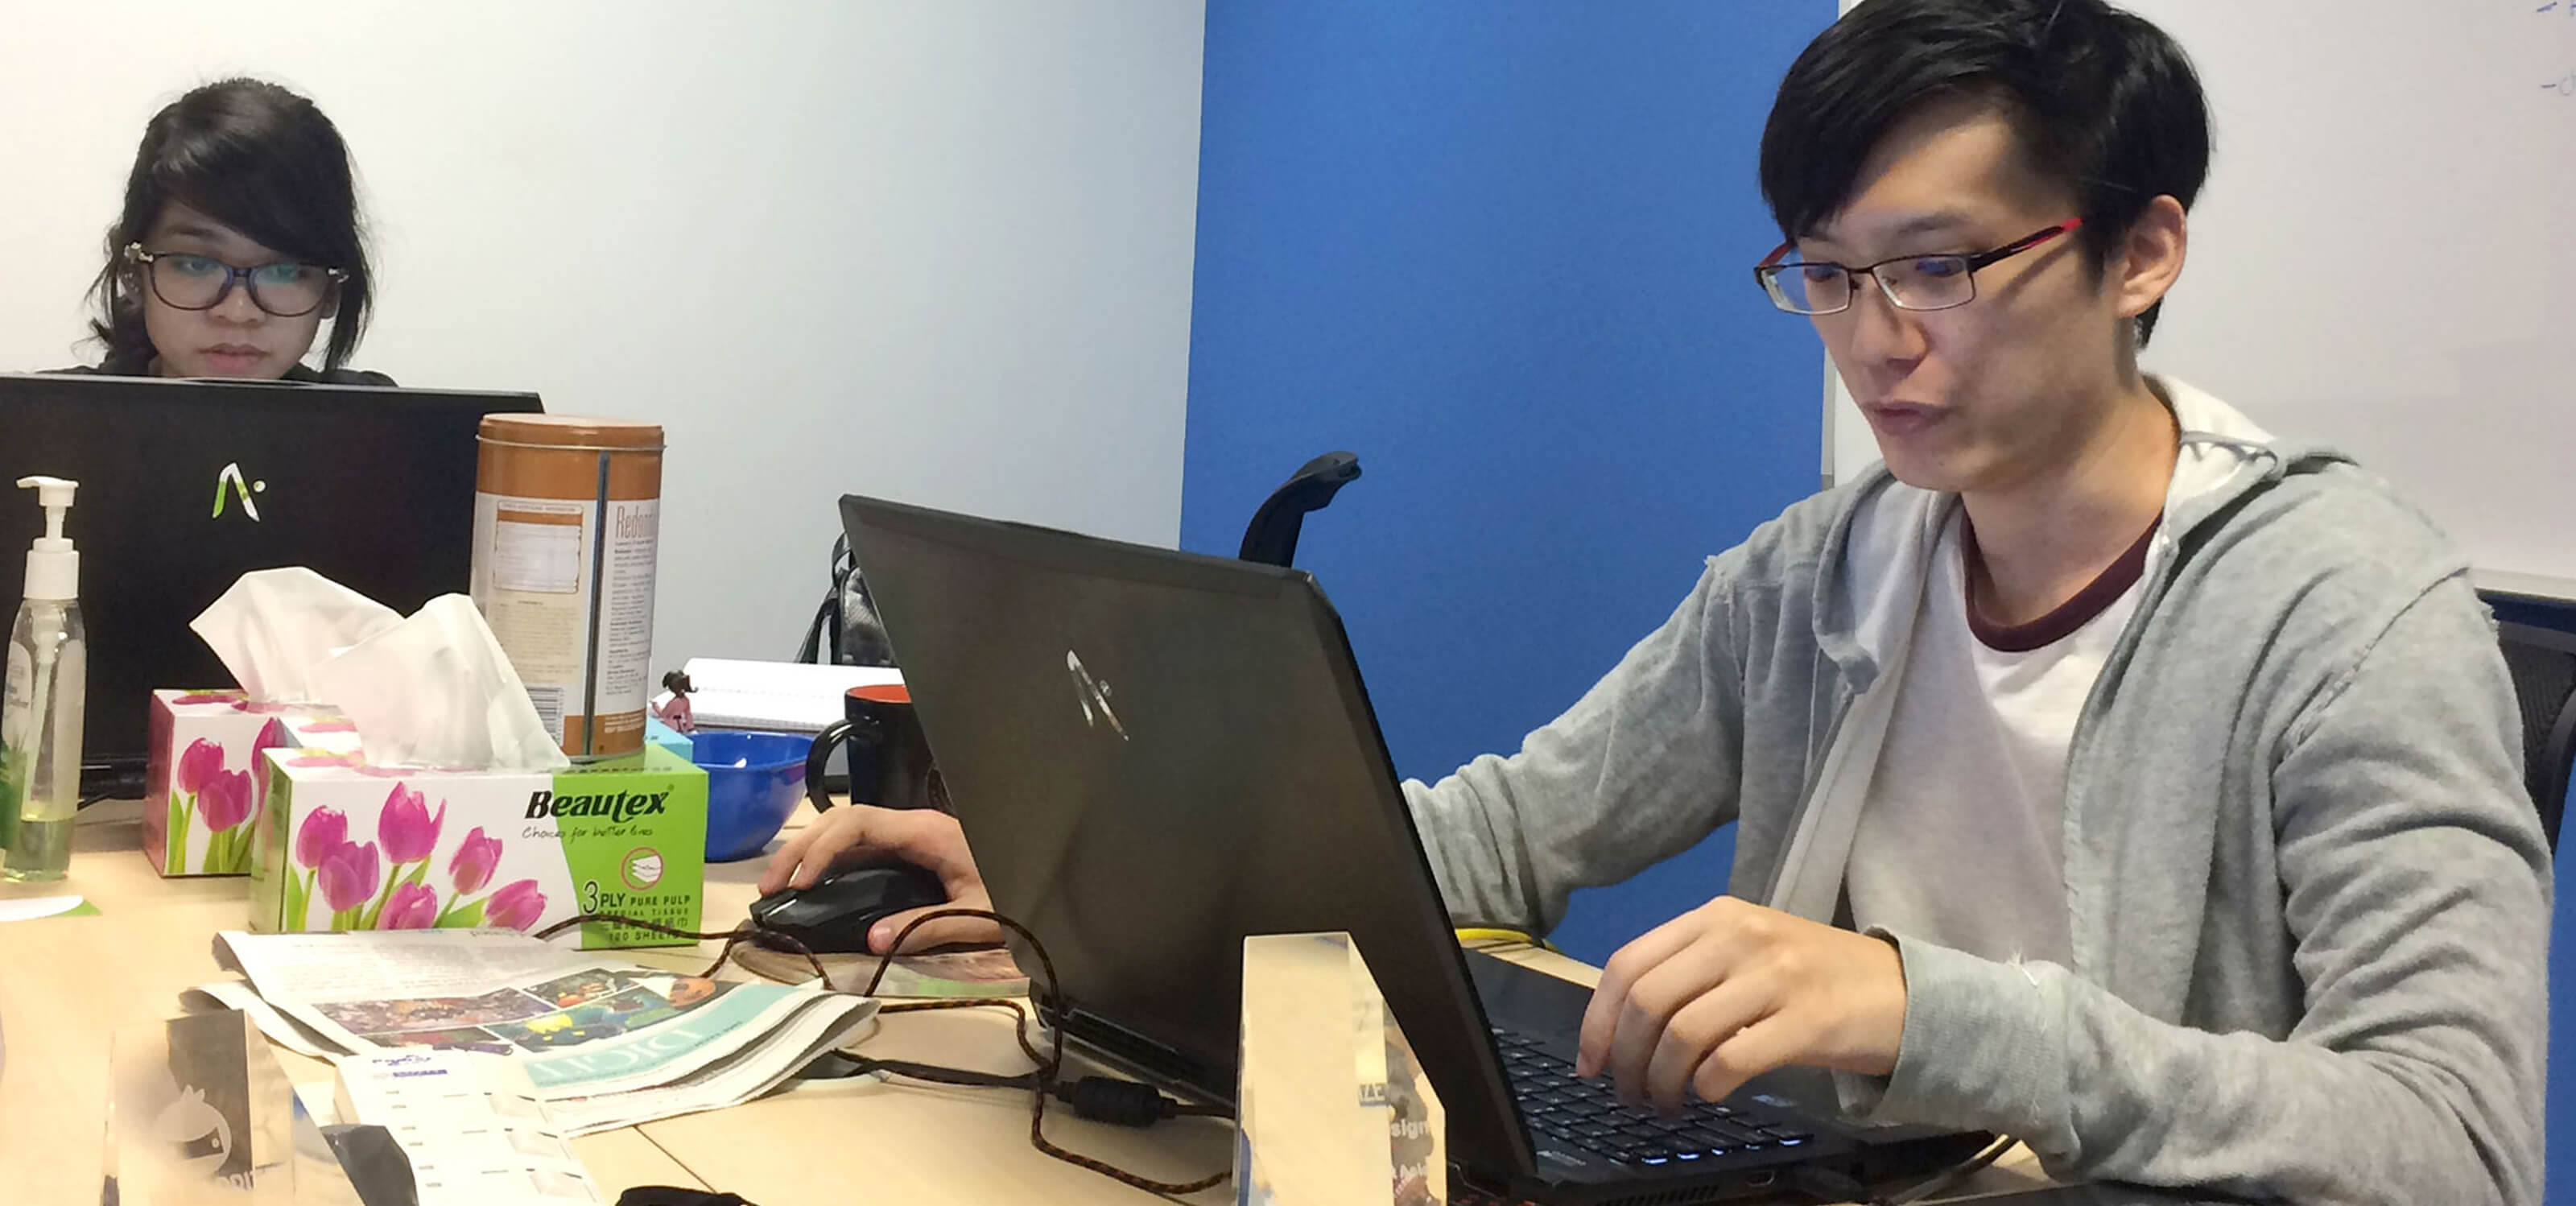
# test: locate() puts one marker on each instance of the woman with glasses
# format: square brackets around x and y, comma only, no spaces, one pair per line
[240,237]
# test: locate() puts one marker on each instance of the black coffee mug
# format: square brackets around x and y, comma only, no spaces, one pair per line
[889,757]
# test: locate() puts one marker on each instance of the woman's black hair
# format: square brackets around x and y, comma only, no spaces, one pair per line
[2105,103]
[255,157]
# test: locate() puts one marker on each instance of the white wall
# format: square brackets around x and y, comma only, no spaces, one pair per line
[933,249]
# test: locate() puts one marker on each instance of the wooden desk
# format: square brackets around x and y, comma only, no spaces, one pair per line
[67,983]
[865,1140]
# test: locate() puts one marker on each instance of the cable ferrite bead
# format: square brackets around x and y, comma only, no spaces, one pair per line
[1119,1102]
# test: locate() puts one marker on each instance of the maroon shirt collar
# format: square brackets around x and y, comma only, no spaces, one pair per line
[2061,622]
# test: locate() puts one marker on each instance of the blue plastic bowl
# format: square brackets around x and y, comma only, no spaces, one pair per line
[753,781]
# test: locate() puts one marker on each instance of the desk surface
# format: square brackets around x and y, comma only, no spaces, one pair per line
[67,983]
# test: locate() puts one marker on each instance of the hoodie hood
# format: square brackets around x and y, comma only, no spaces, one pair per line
[1883,536]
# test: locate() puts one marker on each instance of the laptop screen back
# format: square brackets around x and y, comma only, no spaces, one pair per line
[184,486]
[1155,754]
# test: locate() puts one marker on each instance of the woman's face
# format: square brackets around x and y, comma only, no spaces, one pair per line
[235,337]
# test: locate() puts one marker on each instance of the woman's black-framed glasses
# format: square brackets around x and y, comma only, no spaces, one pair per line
[1911,282]
[285,289]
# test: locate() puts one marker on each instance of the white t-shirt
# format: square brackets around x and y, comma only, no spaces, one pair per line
[1961,839]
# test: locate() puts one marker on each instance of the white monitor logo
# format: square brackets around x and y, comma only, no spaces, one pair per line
[232,476]
[1093,694]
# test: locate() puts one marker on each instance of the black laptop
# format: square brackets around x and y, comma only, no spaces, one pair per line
[1156,754]
[185,485]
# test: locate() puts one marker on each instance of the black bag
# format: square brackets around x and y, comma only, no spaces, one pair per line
[846,630]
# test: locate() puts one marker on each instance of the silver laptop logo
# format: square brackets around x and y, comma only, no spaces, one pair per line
[1093,694]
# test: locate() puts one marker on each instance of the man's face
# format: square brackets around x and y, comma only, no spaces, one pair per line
[234,339]
[1987,395]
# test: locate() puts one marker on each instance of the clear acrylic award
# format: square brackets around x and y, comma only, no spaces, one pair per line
[1331,1106]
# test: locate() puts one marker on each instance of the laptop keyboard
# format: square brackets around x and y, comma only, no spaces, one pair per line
[1586,1114]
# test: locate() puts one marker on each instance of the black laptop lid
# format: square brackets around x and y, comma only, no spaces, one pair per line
[1155,754]
[372,488]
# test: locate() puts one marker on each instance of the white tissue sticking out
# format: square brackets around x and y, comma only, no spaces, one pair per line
[275,625]
[436,690]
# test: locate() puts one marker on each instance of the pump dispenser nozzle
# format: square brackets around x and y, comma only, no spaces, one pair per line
[53,565]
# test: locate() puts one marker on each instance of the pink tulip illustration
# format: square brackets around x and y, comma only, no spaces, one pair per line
[199,765]
[324,830]
[196,782]
[412,907]
[410,835]
[405,826]
[347,878]
[516,906]
[226,800]
[271,736]
[472,865]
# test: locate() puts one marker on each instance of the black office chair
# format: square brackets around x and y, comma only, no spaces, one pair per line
[1271,537]
[2543,664]
[846,631]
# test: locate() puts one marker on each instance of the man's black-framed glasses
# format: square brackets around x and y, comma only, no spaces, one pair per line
[1911,282]
[285,289]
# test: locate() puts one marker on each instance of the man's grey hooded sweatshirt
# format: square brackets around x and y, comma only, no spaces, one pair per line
[2307,893]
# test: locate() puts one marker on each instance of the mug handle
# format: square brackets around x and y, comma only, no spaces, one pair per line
[825,742]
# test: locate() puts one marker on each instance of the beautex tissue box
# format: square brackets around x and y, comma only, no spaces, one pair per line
[342,845]
[203,787]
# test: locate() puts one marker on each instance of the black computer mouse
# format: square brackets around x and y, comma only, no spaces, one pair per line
[833,915]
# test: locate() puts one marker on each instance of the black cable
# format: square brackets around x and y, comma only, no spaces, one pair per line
[1100,1098]
[1827,1185]
[1093,1098]
[1949,1176]
[862,1065]
[1121,1101]
[1097,1098]
[1128,1103]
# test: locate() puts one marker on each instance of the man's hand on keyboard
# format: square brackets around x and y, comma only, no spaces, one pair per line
[1731,990]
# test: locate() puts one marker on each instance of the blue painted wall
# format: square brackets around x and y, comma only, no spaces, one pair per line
[1502,251]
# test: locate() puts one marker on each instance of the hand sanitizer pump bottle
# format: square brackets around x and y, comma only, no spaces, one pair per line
[40,714]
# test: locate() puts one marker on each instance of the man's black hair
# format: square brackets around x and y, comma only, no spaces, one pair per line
[255,157]
[2104,102]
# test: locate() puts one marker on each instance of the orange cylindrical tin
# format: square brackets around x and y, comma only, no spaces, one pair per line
[567,523]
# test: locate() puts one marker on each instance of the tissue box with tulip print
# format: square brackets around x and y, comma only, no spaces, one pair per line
[342,845]
[203,789]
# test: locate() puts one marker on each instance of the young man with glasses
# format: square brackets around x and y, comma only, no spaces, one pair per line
[2108,773]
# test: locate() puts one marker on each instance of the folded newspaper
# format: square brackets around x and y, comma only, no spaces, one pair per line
[606,1043]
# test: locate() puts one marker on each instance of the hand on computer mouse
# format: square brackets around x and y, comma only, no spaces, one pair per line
[926,838]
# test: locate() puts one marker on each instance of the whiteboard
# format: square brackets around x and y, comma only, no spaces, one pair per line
[2383,258]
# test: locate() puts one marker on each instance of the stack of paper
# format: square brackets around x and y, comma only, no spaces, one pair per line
[606,1043]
